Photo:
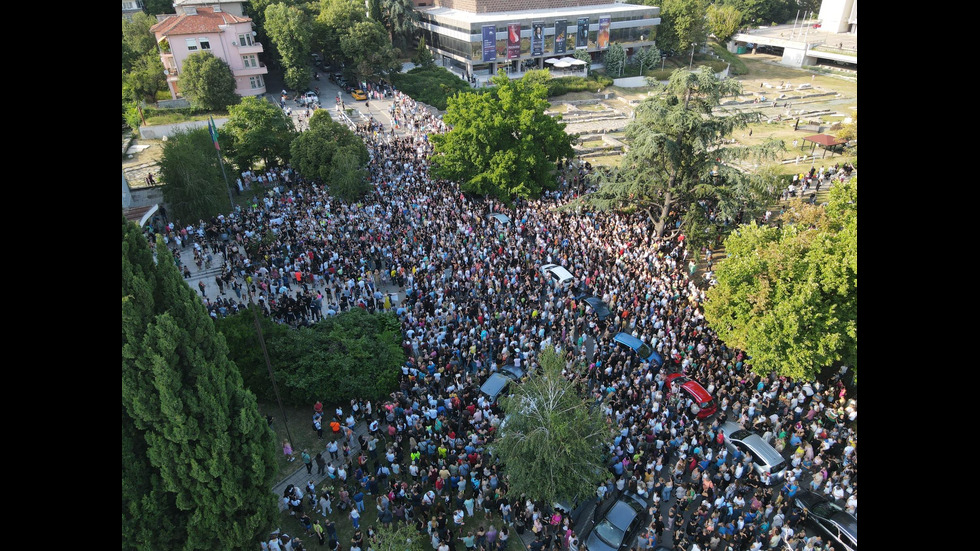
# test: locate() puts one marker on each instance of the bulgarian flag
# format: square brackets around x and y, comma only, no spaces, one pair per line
[213,130]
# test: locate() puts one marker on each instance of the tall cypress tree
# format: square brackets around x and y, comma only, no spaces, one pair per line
[198,458]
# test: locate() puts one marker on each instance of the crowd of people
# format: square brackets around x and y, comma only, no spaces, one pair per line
[475,299]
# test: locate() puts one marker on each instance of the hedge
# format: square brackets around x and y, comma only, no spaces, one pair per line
[564,85]
[432,86]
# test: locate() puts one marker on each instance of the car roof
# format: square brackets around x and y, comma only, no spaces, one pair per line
[628,340]
[512,370]
[502,218]
[763,449]
[559,271]
[600,307]
[494,385]
[621,514]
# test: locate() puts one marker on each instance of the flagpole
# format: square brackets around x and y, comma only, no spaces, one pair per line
[213,130]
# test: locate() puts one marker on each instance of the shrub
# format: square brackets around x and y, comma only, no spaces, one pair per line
[563,85]
[430,85]
[737,65]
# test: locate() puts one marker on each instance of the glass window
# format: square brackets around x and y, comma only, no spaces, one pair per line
[245,39]
[191,45]
[205,43]
[256,82]
[250,61]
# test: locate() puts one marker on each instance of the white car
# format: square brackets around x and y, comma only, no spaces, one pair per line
[308,98]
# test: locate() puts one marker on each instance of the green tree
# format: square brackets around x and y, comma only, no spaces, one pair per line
[348,177]
[194,435]
[682,23]
[583,55]
[399,17]
[615,60]
[502,144]
[194,187]
[724,21]
[137,39]
[207,82]
[245,349]
[849,131]
[144,78]
[157,7]
[677,170]
[646,58]
[313,151]
[353,354]
[369,49]
[423,57]
[399,536]
[260,131]
[552,444]
[291,29]
[764,12]
[788,295]
[335,19]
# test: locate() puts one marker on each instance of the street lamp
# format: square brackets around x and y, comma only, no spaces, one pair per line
[689,67]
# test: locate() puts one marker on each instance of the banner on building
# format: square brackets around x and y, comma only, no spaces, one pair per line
[603,38]
[582,38]
[561,26]
[513,41]
[537,38]
[489,42]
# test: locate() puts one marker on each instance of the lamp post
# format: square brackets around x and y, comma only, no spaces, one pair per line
[691,66]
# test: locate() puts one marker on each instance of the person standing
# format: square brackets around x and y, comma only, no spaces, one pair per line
[308,461]
[321,464]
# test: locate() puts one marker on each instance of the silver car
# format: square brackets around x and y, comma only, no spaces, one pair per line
[765,458]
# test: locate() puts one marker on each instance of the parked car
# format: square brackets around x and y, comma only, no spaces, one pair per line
[707,404]
[558,275]
[308,98]
[829,518]
[359,95]
[495,384]
[642,349]
[620,524]
[600,308]
[765,458]
[499,217]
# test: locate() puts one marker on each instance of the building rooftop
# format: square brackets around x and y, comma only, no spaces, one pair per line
[571,12]
[206,21]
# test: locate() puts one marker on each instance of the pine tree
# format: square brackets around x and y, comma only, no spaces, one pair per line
[198,458]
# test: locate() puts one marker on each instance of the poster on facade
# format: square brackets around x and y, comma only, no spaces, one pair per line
[513,41]
[537,39]
[489,42]
[561,26]
[582,38]
[603,38]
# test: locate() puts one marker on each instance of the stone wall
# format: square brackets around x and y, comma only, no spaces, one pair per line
[159,131]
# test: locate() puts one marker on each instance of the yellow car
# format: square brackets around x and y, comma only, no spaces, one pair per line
[359,95]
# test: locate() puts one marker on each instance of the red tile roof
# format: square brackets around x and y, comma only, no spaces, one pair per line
[206,21]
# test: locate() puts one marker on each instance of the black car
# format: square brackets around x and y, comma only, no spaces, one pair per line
[830,519]
[600,308]
[619,525]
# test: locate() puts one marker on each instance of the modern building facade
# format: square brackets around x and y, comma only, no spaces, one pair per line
[481,36]
[196,28]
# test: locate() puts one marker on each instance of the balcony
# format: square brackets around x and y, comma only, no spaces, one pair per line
[254,48]
[251,71]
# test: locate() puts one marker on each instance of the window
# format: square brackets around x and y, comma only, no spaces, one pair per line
[129,5]
[244,39]
[205,43]
[191,45]
[256,82]
[250,61]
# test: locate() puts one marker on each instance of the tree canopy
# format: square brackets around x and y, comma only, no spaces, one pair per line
[368,47]
[198,458]
[207,81]
[502,144]
[788,295]
[335,19]
[259,131]
[678,172]
[615,60]
[399,18]
[552,443]
[724,21]
[682,24]
[330,153]
[291,29]
[194,187]
[353,354]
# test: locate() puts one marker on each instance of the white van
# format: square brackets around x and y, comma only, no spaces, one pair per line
[557,275]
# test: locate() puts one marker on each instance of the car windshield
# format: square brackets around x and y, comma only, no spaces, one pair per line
[609,533]
[644,351]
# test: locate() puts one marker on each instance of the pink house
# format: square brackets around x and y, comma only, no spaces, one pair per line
[210,29]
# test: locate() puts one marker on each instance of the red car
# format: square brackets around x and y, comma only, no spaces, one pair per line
[697,392]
